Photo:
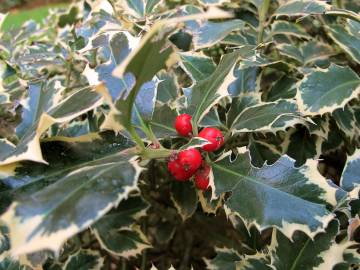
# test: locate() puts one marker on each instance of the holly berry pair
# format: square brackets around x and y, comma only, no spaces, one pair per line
[183,127]
[185,164]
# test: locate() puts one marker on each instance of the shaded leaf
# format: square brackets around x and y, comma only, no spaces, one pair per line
[57,201]
[183,195]
[84,259]
[117,232]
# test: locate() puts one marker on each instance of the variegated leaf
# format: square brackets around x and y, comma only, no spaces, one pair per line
[73,106]
[323,91]
[155,45]
[85,259]
[54,202]
[197,66]
[275,195]
[208,92]
[288,29]
[184,198]
[208,33]
[302,252]
[162,121]
[267,116]
[226,259]
[350,178]
[117,232]
[347,37]
[246,81]
[302,7]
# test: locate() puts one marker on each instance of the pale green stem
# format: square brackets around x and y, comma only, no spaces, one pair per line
[262,20]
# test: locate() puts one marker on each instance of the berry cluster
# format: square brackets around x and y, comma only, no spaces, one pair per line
[186,163]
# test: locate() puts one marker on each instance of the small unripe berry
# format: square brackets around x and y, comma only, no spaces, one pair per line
[184,164]
[202,177]
[183,124]
[214,136]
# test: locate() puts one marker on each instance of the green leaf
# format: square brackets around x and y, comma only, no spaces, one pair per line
[84,259]
[197,66]
[285,88]
[9,264]
[162,121]
[42,96]
[114,47]
[347,37]
[302,252]
[262,153]
[73,106]
[246,81]
[184,197]
[308,53]
[346,120]
[226,259]
[323,91]
[117,232]
[288,29]
[151,56]
[303,145]
[168,87]
[259,261]
[208,92]
[139,8]
[350,178]
[54,202]
[267,116]
[302,7]
[240,104]
[275,195]
[209,33]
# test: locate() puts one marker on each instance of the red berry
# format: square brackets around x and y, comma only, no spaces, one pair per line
[190,159]
[214,136]
[178,171]
[184,164]
[183,124]
[202,177]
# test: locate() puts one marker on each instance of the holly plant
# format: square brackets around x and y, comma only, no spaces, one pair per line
[182,134]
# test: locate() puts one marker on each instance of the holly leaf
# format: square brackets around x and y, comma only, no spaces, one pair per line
[208,92]
[117,232]
[53,202]
[272,188]
[69,108]
[347,37]
[225,259]
[303,252]
[302,7]
[323,91]
[197,66]
[162,121]
[184,197]
[84,259]
[246,81]
[208,33]
[350,178]
[288,29]
[41,97]
[267,116]
[152,55]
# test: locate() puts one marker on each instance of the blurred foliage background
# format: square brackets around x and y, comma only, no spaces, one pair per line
[24,10]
